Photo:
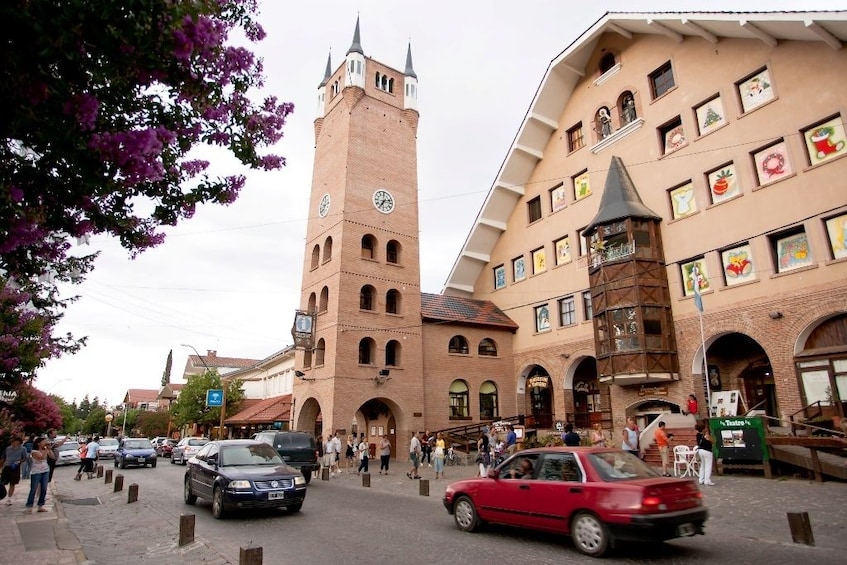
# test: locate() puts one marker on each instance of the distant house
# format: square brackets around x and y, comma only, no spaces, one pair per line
[197,364]
[168,394]
[142,399]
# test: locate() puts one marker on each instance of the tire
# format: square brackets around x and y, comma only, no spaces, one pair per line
[122,464]
[294,507]
[153,464]
[116,463]
[590,535]
[464,512]
[308,477]
[189,497]
[172,461]
[218,504]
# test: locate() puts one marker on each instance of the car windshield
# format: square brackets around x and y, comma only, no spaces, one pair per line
[198,441]
[69,446]
[258,454]
[137,444]
[108,442]
[620,465]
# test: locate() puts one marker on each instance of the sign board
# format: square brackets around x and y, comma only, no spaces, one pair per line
[739,439]
[653,390]
[214,398]
[303,330]
[724,404]
[8,396]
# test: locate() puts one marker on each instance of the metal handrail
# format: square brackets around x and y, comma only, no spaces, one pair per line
[805,412]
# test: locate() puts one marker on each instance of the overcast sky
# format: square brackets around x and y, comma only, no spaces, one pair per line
[229,278]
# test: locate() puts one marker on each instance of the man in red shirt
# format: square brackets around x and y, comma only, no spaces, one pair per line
[663,443]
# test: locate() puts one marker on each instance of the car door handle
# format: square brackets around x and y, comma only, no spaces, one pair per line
[524,487]
[576,490]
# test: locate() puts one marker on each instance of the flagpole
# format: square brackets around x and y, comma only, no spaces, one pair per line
[705,367]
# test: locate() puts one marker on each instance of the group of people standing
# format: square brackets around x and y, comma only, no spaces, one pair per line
[35,460]
[357,449]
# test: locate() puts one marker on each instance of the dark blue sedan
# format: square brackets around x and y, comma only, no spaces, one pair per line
[135,451]
[240,475]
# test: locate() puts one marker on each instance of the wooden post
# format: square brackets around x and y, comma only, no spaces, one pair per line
[119,483]
[108,476]
[133,494]
[801,528]
[325,474]
[99,471]
[366,479]
[250,556]
[424,487]
[816,465]
[186,529]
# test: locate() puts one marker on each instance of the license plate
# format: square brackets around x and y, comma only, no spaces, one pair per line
[276,495]
[685,530]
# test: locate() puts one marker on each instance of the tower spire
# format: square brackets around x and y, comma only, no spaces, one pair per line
[356,46]
[409,72]
[328,72]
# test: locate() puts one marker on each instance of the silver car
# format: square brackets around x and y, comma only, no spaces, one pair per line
[108,447]
[68,453]
[187,448]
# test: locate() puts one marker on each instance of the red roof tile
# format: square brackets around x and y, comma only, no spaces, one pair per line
[441,308]
[267,411]
[136,395]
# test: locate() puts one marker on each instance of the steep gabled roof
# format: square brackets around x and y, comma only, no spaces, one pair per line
[442,308]
[136,395]
[567,69]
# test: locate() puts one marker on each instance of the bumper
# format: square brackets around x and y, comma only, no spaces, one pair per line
[305,468]
[248,500]
[135,462]
[448,504]
[660,527]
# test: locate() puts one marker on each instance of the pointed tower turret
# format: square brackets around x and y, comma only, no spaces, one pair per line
[355,75]
[410,95]
[322,86]
[633,326]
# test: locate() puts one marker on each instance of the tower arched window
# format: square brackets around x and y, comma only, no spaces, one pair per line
[392,301]
[367,348]
[334,89]
[383,84]
[392,252]
[391,85]
[376,80]
[607,61]
[323,302]
[367,298]
[603,123]
[487,348]
[392,353]
[368,247]
[459,399]
[316,256]
[327,249]
[488,405]
[458,344]
[307,358]
[312,302]
[320,352]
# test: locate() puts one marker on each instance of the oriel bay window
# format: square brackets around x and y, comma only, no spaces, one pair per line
[632,328]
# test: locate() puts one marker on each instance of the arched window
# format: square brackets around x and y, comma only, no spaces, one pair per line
[607,61]
[626,108]
[312,303]
[366,351]
[392,301]
[367,298]
[391,85]
[327,249]
[307,358]
[384,82]
[319,352]
[392,252]
[323,303]
[603,123]
[368,247]
[487,347]
[459,399]
[392,353]
[488,409]
[458,344]
[316,255]
[376,80]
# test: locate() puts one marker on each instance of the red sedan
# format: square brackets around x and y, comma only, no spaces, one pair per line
[596,495]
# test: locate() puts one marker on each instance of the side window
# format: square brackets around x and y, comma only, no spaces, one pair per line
[560,467]
[205,451]
[513,469]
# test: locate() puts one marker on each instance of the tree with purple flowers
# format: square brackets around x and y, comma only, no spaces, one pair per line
[104,105]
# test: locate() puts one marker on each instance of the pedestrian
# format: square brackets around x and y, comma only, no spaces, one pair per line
[511,440]
[483,457]
[317,472]
[414,456]
[663,443]
[350,450]
[40,474]
[364,455]
[630,437]
[329,457]
[384,454]
[426,448]
[704,452]
[83,459]
[53,444]
[692,406]
[570,437]
[12,460]
[336,448]
[91,455]
[598,437]
[440,455]
[28,445]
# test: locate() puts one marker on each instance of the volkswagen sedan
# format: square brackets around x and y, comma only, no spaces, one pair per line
[598,496]
[242,474]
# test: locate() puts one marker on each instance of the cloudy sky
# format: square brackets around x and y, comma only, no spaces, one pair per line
[229,279]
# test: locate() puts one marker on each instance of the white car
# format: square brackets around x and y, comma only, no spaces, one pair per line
[187,448]
[68,453]
[108,447]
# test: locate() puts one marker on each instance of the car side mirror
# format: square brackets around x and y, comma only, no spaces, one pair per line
[212,459]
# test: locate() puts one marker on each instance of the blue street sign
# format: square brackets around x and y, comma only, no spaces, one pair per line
[214,398]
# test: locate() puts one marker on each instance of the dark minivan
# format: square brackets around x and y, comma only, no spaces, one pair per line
[297,449]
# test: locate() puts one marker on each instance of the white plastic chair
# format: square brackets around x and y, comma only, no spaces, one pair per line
[683,461]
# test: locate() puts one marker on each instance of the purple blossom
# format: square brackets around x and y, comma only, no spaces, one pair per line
[194,167]
[85,108]
[233,185]
[271,162]
[15,193]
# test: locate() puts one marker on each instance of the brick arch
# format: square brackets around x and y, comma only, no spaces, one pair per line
[804,334]
[525,369]
[572,364]
[307,414]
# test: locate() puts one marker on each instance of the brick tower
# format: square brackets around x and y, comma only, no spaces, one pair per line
[361,272]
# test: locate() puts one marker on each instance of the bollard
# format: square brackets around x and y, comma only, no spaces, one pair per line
[119,483]
[250,556]
[801,528]
[133,494]
[99,471]
[325,474]
[366,479]
[424,487]
[108,476]
[186,529]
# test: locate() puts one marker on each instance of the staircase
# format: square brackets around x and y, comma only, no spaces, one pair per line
[681,436]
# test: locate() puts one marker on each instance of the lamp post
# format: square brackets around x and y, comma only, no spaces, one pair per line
[223,390]
[109,419]
[123,428]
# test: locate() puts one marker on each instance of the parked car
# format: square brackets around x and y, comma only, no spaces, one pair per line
[242,474]
[135,451]
[68,453]
[595,495]
[297,449]
[108,447]
[165,447]
[187,448]
[157,441]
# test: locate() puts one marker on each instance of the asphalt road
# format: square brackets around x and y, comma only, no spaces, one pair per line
[342,521]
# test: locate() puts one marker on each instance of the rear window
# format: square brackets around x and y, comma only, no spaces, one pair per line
[202,441]
[620,465]
[287,440]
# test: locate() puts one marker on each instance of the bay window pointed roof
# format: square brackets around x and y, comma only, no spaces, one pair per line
[409,72]
[620,199]
[356,46]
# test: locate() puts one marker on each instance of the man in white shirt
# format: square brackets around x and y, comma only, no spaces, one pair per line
[414,456]
[329,454]
[336,451]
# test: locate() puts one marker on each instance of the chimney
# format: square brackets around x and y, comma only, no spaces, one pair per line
[210,353]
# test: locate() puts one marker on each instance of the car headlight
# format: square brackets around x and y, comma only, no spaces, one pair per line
[239,484]
[299,480]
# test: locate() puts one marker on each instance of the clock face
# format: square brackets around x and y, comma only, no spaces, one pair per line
[323,207]
[383,201]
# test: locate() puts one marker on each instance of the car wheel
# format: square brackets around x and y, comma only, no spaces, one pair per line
[294,507]
[308,477]
[122,464]
[189,497]
[590,535]
[218,503]
[183,461]
[173,461]
[153,464]
[465,514]
[116,463]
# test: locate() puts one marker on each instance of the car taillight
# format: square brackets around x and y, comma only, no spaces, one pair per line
[652,503]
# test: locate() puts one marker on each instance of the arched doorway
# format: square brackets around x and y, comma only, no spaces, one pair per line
[586,394]
[375,418]
[647,411]
[759,387]
[540,397]
[308,418]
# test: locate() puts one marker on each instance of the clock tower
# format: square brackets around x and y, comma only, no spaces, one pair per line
[361,271]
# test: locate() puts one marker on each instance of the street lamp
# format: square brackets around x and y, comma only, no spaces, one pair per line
[123,428]
[109,419]
[223,390]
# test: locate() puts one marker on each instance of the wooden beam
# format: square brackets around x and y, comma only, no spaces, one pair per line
[574,70]
[759,32]
[825,36]
[701,31]
[619,30]
[665,30]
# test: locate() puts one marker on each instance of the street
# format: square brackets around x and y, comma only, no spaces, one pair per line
[391,523]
